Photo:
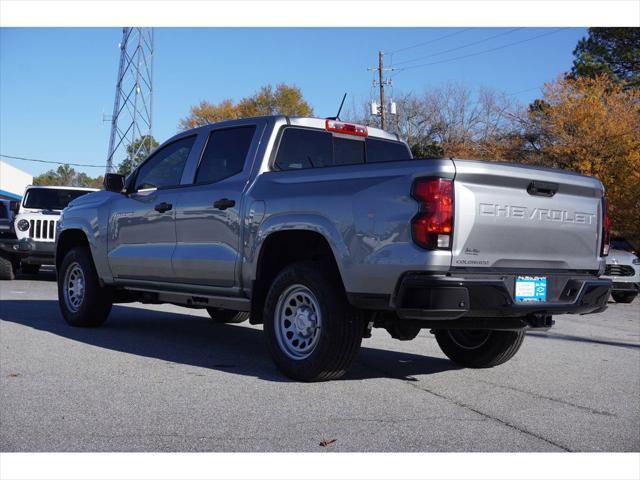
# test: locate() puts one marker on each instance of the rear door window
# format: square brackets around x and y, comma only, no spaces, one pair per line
[225,153]
[386,151]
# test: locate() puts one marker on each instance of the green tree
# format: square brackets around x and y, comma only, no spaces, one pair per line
[66,176]
[137,151]
[611,51]
[283,100]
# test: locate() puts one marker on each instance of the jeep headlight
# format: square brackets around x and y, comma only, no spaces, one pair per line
[23,225]
[636,261]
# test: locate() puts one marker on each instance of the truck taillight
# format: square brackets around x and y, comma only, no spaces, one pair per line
[606,228]
[432,227]
[346,128]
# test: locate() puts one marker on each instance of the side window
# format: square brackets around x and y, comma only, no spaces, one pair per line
[225,153]
[301,148]
[386,151]
[347,152]
[164,168]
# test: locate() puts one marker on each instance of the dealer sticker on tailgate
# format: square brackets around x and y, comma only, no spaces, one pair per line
[531,289]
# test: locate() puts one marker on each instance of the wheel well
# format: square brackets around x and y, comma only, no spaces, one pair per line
[67,240]
[284,248]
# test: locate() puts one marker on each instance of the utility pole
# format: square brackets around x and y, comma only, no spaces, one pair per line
[381,82]
[132,107]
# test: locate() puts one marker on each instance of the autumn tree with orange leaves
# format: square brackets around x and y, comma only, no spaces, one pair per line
[283,100]
[591,126]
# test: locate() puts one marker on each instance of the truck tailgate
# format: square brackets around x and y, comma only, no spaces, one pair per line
[515,218]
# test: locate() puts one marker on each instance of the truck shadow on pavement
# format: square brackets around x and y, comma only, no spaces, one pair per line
[193,340]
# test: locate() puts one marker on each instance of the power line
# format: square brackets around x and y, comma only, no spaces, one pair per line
[50,161]
[430,41]
[481,52]
[501,34]
[525,90]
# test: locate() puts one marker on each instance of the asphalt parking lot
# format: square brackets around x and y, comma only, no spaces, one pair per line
[162,378]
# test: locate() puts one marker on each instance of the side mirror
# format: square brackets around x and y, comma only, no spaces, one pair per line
[114,182]
[14,206]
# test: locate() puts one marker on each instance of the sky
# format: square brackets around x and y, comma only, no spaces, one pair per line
[56,84]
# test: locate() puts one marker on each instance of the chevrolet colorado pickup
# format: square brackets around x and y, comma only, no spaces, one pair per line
[322,230]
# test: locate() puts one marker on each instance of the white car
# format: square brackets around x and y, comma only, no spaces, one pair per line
[35,223]
[623,269]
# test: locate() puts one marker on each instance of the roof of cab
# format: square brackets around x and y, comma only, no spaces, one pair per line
[310,122]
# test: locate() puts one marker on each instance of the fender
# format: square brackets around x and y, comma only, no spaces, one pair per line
[257,236]
[96,237]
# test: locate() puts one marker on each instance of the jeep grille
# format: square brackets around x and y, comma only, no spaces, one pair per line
[42,229]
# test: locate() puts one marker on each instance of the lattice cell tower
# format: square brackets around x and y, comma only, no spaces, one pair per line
[132,108]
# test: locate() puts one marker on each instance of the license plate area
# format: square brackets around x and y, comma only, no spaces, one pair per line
[530,288]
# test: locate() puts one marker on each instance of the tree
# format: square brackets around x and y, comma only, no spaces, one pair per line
[137,151]
[283,100]
[592,126]
[66,176]
[611,51]
[451,121]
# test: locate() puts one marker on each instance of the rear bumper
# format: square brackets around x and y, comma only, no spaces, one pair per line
[437,297]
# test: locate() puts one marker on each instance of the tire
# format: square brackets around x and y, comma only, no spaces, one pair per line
[29,269]
[324,319]
[219,315]
[624,297]
[7,269]
[90,306]
[479,348]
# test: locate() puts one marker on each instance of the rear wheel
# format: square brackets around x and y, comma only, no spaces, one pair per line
[312,332]
[624,297]
[7,268]
[219,315]
[479,348]
[83,302]
[29,269]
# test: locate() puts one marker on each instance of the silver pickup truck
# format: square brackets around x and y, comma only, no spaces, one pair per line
[322,230]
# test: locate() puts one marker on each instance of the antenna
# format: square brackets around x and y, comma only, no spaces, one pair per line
[337,117]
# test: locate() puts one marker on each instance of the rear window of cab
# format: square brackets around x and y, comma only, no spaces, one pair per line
[303,148]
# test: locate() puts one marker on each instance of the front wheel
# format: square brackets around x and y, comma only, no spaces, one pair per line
[312,332]
[624,297]
[479,348]
[83,302]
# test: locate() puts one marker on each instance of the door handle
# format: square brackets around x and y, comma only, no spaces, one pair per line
[224,203]
[163,207]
